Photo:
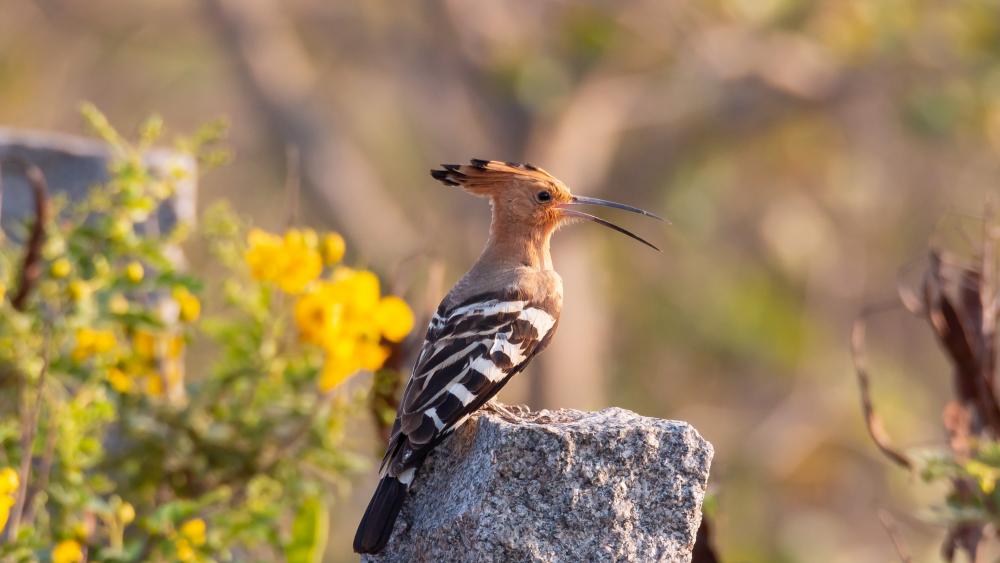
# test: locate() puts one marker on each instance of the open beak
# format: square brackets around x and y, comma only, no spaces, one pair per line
[581,200]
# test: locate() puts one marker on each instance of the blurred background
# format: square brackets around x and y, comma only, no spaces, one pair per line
[806,151]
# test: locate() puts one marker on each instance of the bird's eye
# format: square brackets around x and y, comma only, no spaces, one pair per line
[544,196]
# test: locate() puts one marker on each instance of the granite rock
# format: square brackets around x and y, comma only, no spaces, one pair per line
[556,486]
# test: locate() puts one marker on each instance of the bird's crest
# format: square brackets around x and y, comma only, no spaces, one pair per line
[482,176]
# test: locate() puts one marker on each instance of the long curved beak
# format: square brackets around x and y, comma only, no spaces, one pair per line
[582,200]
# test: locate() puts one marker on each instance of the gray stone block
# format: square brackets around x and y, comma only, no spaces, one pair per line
[557,486]
[73,164]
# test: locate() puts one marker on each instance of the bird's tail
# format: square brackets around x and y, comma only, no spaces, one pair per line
[380,517]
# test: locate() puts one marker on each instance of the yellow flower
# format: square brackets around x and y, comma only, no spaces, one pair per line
[985,474]
[174,346]
[144,344]
[78,290]
[126,513]
[3,291]
[342,350]
[154,384]
[118,304]
[291,262]
[334,373]
[185,552]
[304,237]
[347,317]
[310,237]
[6,502]
[91,342]
[120,381]
[194,531]
[303,268]
[67,551]
[189,304]
[318,315]
[134,272]
[8,482]
[61,268]
[362,287]
[372,356]
[8,488]
[121,228]
[333,248]
[262,249]
[394,318]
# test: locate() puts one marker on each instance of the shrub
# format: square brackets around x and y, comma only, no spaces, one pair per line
[112,446]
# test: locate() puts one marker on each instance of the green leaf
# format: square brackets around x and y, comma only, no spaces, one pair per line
[309,531]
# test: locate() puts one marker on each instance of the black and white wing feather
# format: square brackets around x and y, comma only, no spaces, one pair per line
[470,352]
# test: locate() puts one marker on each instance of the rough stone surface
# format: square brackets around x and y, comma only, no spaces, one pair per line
[557,486]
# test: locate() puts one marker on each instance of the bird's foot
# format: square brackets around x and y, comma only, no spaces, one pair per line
[503,411]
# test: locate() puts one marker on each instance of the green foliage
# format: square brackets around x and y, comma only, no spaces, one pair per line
[309,531]
[133,454]
[974,496]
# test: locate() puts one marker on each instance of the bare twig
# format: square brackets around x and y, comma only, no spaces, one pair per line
[910,299]
[987,299]
[889,524]
[958,324]
[29,427]
[875,428]
[44,469]
[31,267]
[293,184]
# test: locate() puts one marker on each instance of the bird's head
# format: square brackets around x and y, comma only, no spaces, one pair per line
[527,196]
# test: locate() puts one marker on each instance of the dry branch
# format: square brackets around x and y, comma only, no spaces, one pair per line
[957,299]
[889,524]
[30,412]
[874,423]
[31,267]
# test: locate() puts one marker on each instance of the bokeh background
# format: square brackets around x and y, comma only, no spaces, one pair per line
[807,153]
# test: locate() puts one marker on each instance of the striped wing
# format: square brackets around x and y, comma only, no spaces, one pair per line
[469,354]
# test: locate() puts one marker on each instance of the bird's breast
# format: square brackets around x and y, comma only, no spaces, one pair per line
[544,287]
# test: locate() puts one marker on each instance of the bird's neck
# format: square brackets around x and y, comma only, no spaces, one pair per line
[511,258]
[511,247]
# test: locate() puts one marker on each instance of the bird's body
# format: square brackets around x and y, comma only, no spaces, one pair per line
[495,319]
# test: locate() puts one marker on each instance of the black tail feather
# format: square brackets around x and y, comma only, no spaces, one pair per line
[380,517]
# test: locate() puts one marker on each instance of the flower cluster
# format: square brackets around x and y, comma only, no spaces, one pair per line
[291,262]
[152,362]
[93,342]
[190,536]
[138,345]
[344,312]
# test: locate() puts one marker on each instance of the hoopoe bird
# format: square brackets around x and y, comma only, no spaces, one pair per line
[501,314]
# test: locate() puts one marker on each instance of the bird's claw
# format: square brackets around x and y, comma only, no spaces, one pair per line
[501,410]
